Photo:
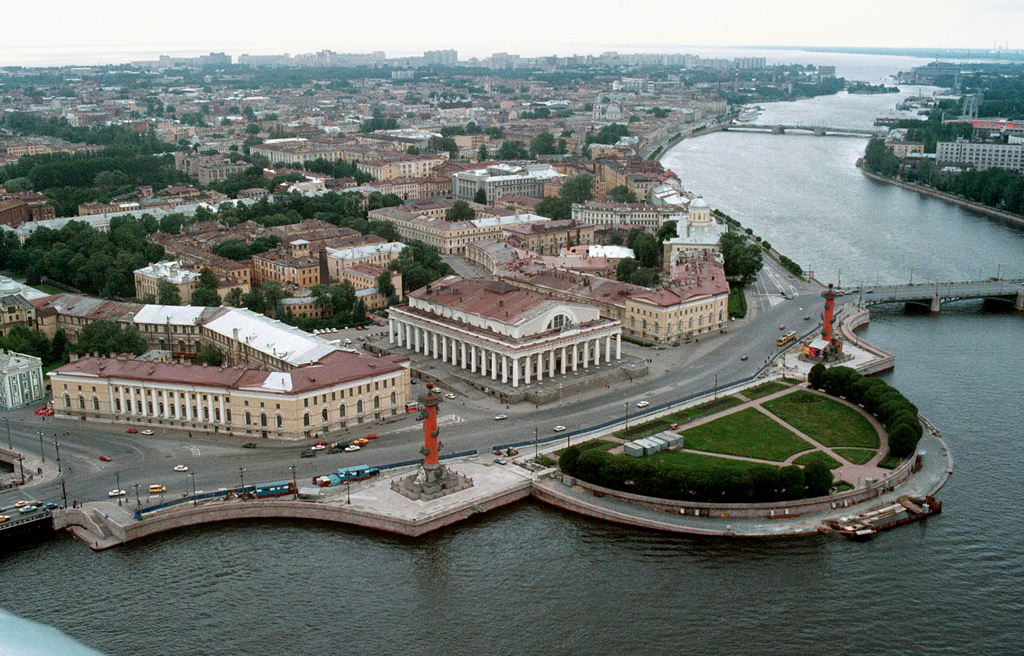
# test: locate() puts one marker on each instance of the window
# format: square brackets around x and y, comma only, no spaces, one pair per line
[280,421]
[341,410]
[248,419]
[394,398]
[305,419]
[359,407]
[117,405]
[263,420]
[323,415]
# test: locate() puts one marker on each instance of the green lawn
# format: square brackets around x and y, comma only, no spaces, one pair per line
[746,433]
[841,486]
[829,422]
[682,458]
[891,462]
[48,288]
[813,456]
[682,417]
[592,444]
[737,301]
[764,389]
[857,456]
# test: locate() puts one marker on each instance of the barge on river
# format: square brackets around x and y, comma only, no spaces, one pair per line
[866,525]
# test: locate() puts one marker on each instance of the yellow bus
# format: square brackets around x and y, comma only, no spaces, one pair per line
[786,339]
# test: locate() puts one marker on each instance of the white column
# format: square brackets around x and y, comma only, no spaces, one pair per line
[110,393]
[483,360]
[209,405]
[597,351]
[416,335]
[223,417]
[408,337]
[540,367]
[618,346]
[526,361]
[551,363]
[575,356]
[124,410]
[391,330]
[462,357]
[434,354]
[564,354]
[586,354]
[188,406]
[166,412]
[472,358]
[494,366]
[444,349]
[515,371]
[142,395]
[504,369]
[608,348]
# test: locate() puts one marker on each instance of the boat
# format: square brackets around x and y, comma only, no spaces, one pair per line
[866,525]
[749,114]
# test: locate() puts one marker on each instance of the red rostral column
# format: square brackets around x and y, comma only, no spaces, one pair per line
[830,301]
[429,402]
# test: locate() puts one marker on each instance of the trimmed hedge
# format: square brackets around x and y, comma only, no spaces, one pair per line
[897,414]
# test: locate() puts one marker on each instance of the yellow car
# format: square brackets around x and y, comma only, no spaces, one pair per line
[157,489]
[362,441]
[21,504]
[3,518]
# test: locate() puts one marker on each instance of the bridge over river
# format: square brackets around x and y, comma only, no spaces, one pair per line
[933,295]
[816,130]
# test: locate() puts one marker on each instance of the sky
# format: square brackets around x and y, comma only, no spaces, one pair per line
[57,31]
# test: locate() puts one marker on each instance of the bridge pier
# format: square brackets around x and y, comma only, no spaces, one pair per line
[819,132]
[778,129]
[1019,304]
[935,306]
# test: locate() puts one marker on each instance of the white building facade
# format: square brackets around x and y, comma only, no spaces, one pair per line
[502,332]
[21,380]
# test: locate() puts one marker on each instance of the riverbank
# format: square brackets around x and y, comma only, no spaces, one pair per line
[991,212]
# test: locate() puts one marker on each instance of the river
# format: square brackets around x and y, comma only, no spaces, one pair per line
[529,579]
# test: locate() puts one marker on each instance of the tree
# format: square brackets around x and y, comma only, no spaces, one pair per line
[30,342]
[817,479]
[902,441]
[879,158]
[579,189]
[384,284]
[622,194]
[741,258]
[647,249]
[205,297]
[513,150]
[480,197]
[542,144]
[59,347]
[666,231]
[482,154]
[816,376]
[791,482]
[233,297]
[554,207]
[460,211]
[167,293]
[106,337]
[209,355]
[207,279]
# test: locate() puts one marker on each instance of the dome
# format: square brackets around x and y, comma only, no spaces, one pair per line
[698,203]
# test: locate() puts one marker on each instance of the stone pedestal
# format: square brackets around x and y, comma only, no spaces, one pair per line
[431,482]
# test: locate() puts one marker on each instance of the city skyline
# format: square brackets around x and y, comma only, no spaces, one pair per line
[119,31]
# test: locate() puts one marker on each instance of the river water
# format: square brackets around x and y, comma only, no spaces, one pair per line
[529,579]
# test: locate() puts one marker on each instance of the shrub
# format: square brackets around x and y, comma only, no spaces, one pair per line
[567,461]
[902,441]
[817,478]
[791,482]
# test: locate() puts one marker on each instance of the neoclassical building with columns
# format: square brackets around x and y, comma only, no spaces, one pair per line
[502,332]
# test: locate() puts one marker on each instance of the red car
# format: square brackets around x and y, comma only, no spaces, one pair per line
[131,430]
[320,443]
[371,436]
[105,458]
[45,411]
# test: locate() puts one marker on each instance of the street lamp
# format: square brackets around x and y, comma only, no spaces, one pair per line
[294,483]
[195,501]
[627,416]
[536,453]
[56,445]
[21,463]
[9,442]
[41,452]
[241,474]
[716,387]
[118,488]
[138,501]
[348,493]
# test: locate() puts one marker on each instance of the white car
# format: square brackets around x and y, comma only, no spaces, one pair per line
[500,417]
[116,493]
[559,429]
[147,432]
[449,395]
[318,447]
[352,447]
[642,404]
[181,468]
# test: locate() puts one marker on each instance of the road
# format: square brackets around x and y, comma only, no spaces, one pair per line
[465,423]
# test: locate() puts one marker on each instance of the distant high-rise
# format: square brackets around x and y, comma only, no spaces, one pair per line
[441,57]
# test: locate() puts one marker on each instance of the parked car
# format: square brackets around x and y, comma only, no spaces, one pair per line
[157,489]
[249,445]
[116,493]
[500,417]
[336,449]
[449,395]
[181,468]
[131,430]
[352,447]
[147,432]
[642,404]
[559,429]
[308,453]
[4,518]
[362,441]
[20,504]
[370,436]
[318,447]
[743,357]
[105,458]
[320,443]
[50,506]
